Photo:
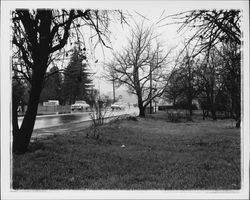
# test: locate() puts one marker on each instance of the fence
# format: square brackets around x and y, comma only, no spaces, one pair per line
[43,110]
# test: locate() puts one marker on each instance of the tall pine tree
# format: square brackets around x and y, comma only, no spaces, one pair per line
[53,86]
[77,82]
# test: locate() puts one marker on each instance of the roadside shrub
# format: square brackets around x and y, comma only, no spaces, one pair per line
[174,117]
[122,117]
[132,118]
[178,105]
[94,132]
[98,114]
[117,119]
[189,118]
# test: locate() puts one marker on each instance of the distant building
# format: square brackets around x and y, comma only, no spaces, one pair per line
[51,103]
[164,102]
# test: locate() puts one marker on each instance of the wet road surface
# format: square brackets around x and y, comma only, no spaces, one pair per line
[61,119]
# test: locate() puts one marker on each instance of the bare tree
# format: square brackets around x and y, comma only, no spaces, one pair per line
[39,36]
[210,27]
[174,89]
[214,29]
[231,77]
[142,61]
[188,74]
[183,83]
[208,74]
[99,111]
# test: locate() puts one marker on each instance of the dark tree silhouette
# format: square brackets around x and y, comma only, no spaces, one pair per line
[209,79]
[77,82]
[183,83]
[231,77]
[187,74]
[52,86]
[39,36]
[174,89]
[210,27]
[214,29]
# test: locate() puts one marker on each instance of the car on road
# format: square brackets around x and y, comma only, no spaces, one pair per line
[80,106]
[118,106]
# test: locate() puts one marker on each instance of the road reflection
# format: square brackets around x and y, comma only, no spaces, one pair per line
[55,120]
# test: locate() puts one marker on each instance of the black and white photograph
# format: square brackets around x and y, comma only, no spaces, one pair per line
[125,99]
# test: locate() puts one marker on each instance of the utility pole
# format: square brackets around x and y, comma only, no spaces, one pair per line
[113,90]
[189,86]
[150,91]
[99,89]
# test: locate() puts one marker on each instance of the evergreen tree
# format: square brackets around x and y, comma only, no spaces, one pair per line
[52,86]
[77,83]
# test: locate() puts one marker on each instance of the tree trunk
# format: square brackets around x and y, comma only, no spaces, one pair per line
[212,107]
[213,112]
[211,103]
[142,111]
[174,103]
[23,136]
[141,108]
[190,107]
[203,114]
[238,117]
[14,115]
[238,123]
[236,107]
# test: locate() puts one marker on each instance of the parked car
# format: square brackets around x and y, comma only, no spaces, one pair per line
[80,105]
[118,106]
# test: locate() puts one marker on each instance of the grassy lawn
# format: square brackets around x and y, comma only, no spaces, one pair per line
[157,155]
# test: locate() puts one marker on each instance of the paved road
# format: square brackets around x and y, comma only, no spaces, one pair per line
[62,119]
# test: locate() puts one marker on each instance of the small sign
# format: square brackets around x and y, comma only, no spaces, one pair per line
[51,103]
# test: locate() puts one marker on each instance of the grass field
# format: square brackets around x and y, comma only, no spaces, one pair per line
[157,155]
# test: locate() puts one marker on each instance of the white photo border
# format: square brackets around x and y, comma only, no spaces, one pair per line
[8,193]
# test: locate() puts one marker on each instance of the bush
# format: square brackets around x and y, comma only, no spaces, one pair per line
[179,105]
[98,114]
[184,105]
[132,118]
[174,117]
[177,116]
[163,108]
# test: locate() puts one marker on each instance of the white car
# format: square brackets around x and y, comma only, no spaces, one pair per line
[80,105]
[118,106]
